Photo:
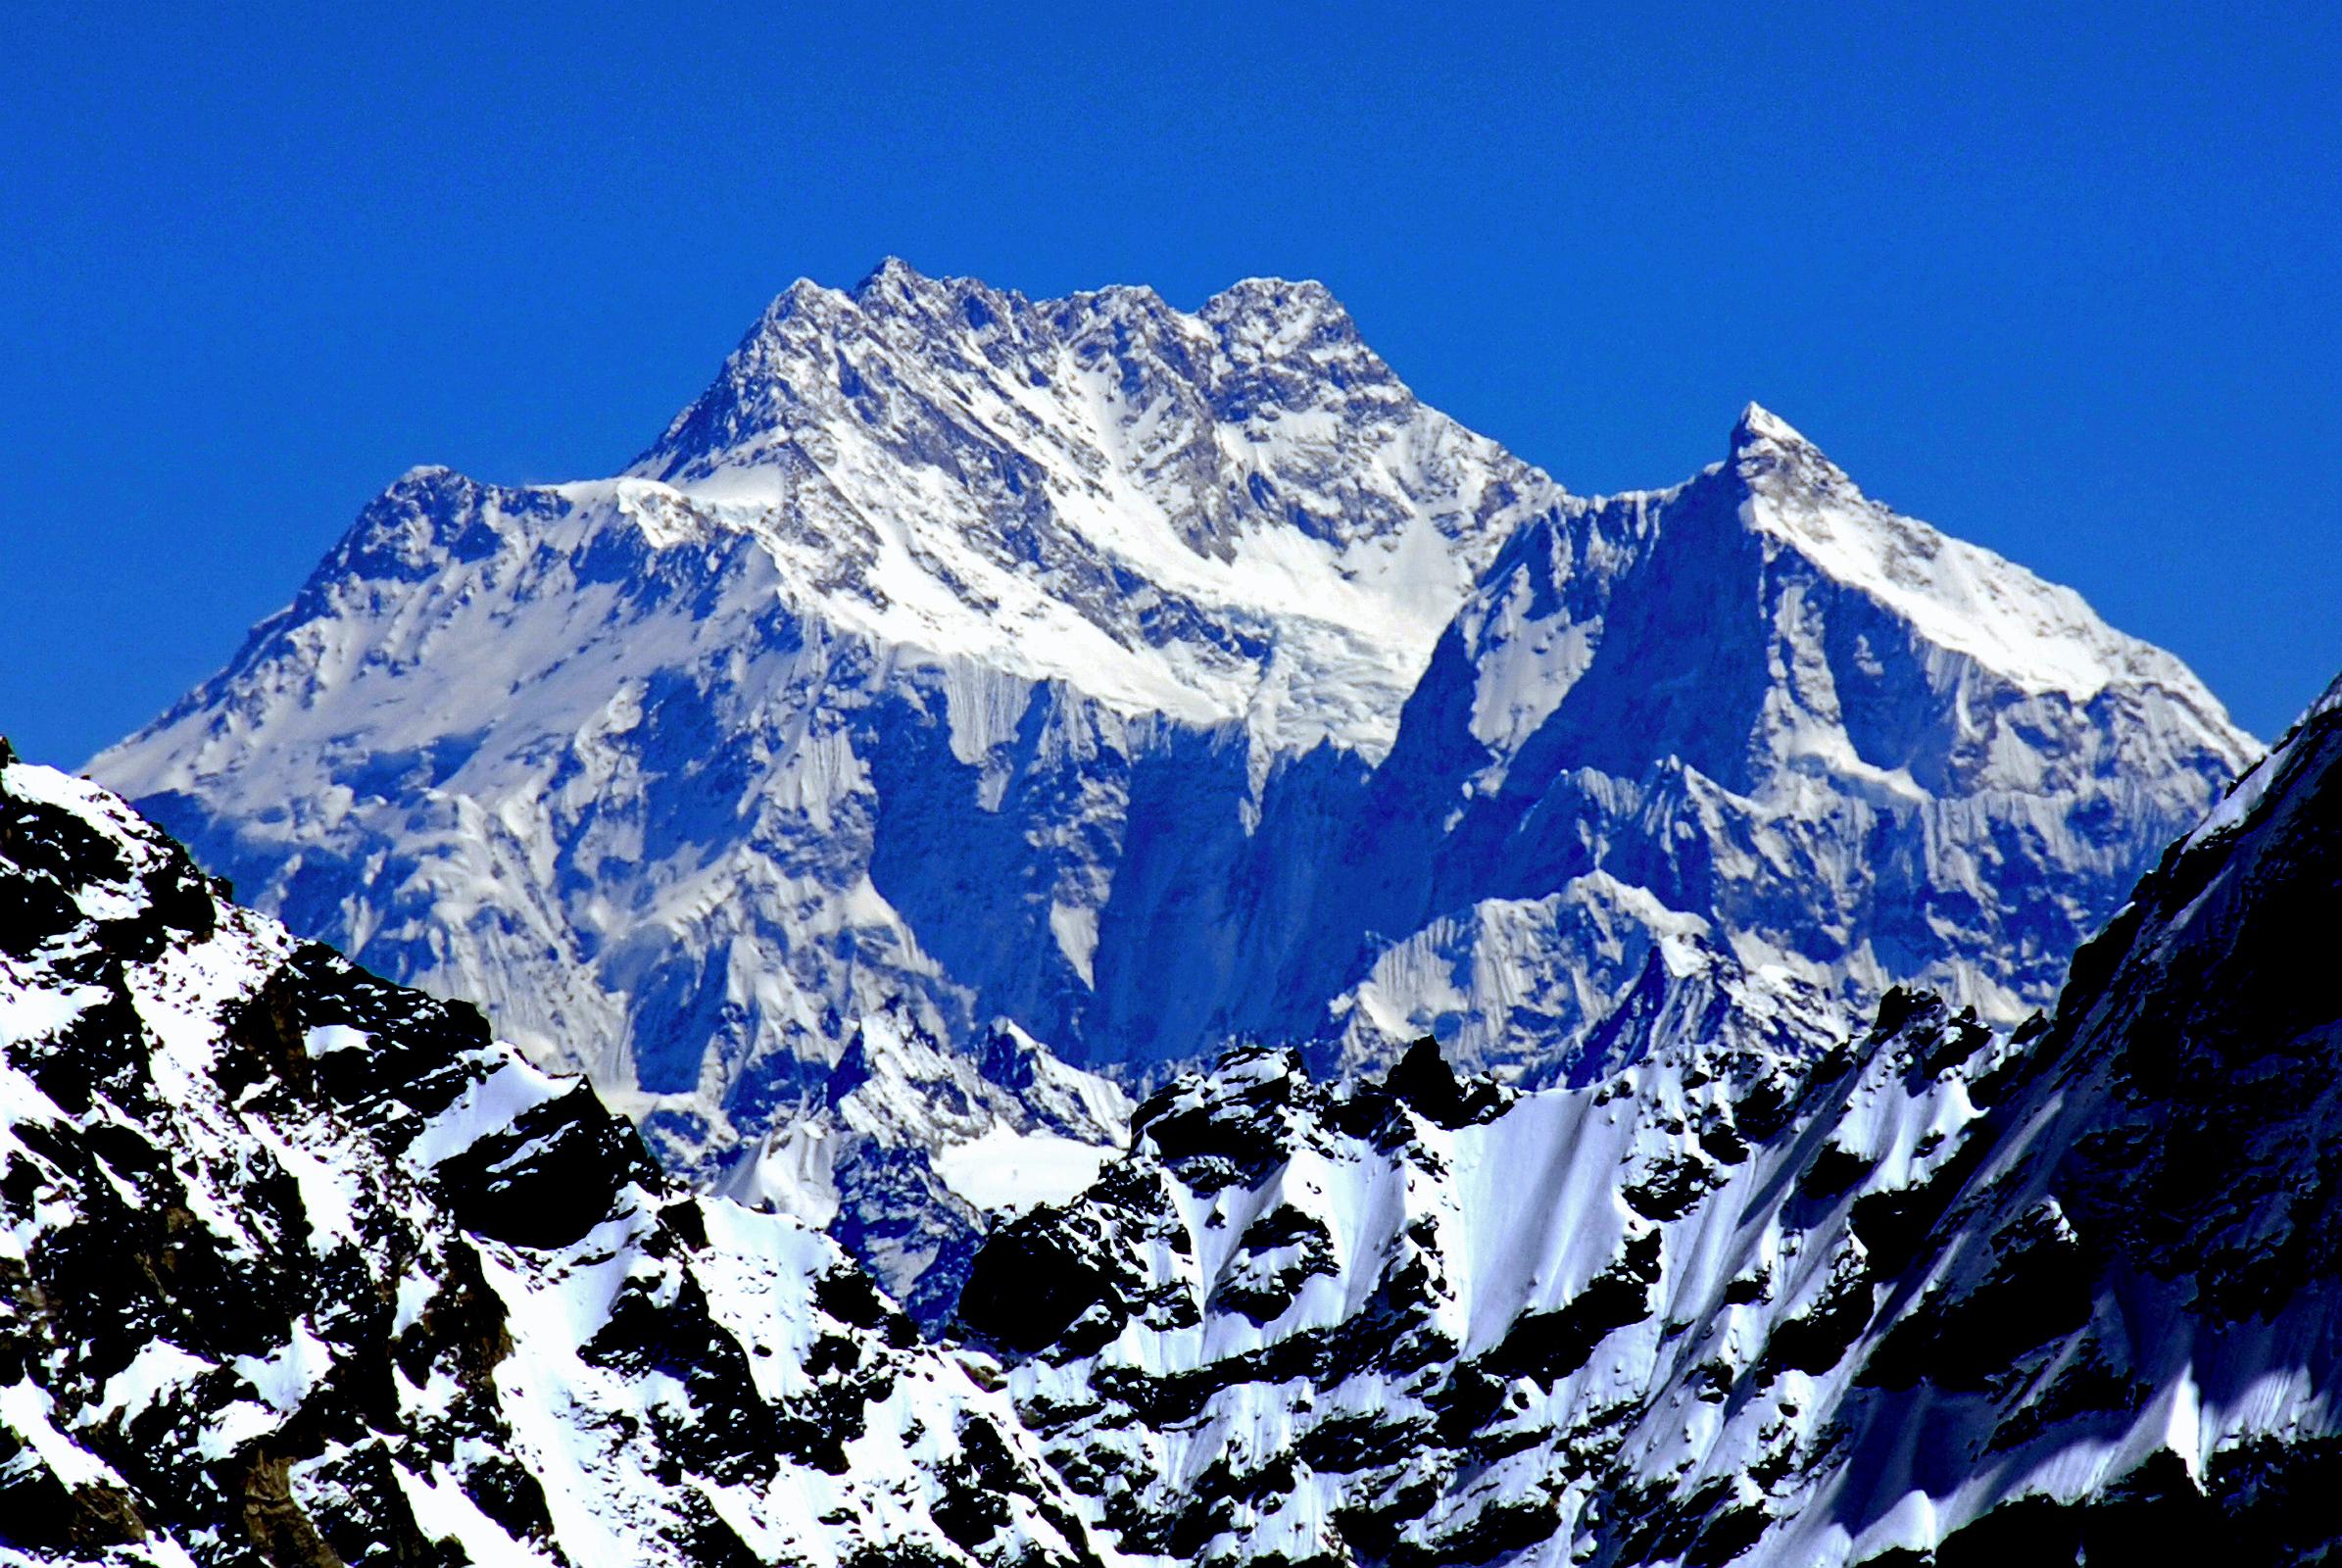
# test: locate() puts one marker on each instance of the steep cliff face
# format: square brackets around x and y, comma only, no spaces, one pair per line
[1953,1293]
[297,1266]
[914,1147]
[1153,681]
[1764,716]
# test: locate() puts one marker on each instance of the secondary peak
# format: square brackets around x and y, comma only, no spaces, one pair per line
[1758,423]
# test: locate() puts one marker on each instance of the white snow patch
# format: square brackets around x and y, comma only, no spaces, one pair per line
[1006,1170]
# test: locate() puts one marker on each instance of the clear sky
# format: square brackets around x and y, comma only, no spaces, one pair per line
[2063,279]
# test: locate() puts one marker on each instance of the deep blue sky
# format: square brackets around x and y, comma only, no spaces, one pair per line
[2062,279]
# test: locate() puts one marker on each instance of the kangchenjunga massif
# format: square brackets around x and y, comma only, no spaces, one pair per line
[1368,1008]
[973,709]
[300,1267]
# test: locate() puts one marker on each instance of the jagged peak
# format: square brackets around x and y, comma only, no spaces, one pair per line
[432,486]
[1773,457]
[1286,312]
[1115,301]
[1248,297]
[895,280]
[429,486]
[1250,294]
[800,296]
[1958,596]
[1256,321]
[1758,423]
[892,271]
[890,284]
[1762,441]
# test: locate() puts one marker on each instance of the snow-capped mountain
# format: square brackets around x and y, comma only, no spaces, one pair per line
[300,1267]
[1759,725]
[1152,681]
[1951,1294]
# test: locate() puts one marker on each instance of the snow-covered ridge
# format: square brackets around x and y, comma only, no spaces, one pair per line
[1960,597]
[1855,751]
[914,1149]
[1252,472]
[296,1266]
[1947,1294]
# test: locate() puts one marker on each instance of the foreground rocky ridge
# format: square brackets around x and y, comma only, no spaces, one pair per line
[299,1267]
[1153,681]
[1954,1293]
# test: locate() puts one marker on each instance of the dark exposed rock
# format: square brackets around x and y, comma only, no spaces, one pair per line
[550,1177]
[1424,1082]
[1932,1258]
[1550,1346]
[1030,1285]
[294,1247]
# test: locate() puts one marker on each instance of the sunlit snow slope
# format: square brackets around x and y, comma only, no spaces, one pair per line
[1140,681]
[1757,727]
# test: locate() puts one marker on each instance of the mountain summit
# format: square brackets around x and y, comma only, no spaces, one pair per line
[1128,682]
[1237,514]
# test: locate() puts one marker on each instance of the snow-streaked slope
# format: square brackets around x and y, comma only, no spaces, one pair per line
[902,609]
[1153,681]
[297,1266]
[1235,514]
[1847,749]
[1948,1294]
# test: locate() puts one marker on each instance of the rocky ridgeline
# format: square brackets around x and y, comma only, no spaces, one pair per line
[299,1267]
[1952,1294]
